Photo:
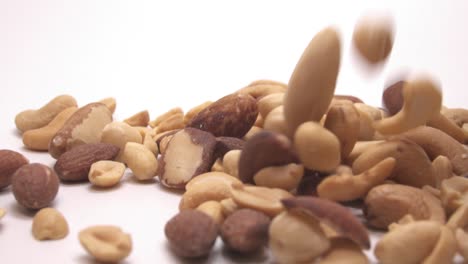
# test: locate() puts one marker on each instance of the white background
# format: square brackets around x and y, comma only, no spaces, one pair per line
[156,56]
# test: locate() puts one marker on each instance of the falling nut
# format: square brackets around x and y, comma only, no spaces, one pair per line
[106,243]
[295,237]
[49,224]
[2,213]
[189,153]
[387,203]
[106,173]
[348,187]
[263,199]
[312,83]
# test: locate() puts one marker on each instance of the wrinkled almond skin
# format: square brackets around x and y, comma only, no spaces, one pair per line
[245,230]
[10,161]
[74,165]
[189,153]
[191,233]
[84,126]
[35,185]
[230,116]
[264,149]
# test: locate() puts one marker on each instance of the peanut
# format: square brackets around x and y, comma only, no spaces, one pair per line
[49,224]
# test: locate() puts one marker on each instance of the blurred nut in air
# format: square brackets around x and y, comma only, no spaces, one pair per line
[245,231]
[106,243]
[35,185]
[373,38]
[106,173]
[191,233]
[49,224]
[2,213]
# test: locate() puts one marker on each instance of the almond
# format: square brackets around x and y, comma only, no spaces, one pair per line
[10,161]
[74,165]
[230,116]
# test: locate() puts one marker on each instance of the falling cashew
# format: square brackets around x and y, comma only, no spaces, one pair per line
[422,101]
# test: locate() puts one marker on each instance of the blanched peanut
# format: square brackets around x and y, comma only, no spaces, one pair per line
[263,199]
[119,133]
[286,177]
[296,238]
[106,173]
[275,121]
[175,121]
[228,206]
[231,162]
[49,224]
[106,243]
[138,119]
[212,209]
[2,213]
[110,103]
[150,143]
[217,165]
[318,148]
[140,160]
[161,118]
[344,250]
[269,102]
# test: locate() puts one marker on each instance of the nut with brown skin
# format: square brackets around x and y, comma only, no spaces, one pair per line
[245,231]
[264,149]
[332,214]
[189,153]
[226,144]
[232,116]
[195,110]
[445,145]
[191,233]
[312,83]
[84,126]
[74,165]
[413,167]
[295,237]
[10,161]
[387,203]
[35,185]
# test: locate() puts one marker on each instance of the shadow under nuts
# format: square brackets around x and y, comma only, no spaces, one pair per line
[35,185]
[191,233]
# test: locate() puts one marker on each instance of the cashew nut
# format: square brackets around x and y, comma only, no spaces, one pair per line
[422,101]
[347,187]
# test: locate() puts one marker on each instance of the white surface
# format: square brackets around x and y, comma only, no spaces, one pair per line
[155,56]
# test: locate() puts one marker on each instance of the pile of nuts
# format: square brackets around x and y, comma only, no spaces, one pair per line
[269,165]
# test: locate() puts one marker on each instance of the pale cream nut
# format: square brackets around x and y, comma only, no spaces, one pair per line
[106,173]
[139,119]
[106,243]
[212,209]
[2,213]
[344,250]
[231,162]
[119,133]
[296,238]
[140,160]
[49,224]
[286,177]
[164,116]
[266,200]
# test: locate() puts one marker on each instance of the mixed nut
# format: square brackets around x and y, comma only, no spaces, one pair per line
[268,165]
